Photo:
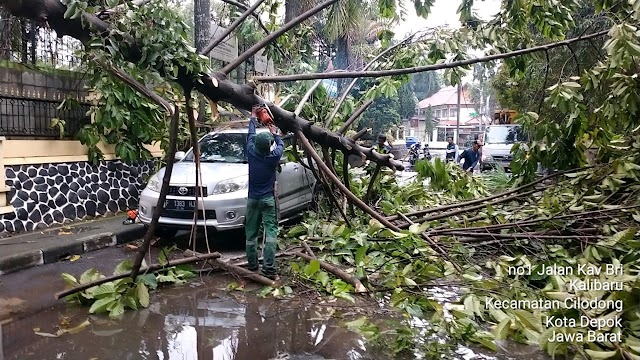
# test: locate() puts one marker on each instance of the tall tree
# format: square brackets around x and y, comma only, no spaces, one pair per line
[483,94]
[406,101]
[425,84]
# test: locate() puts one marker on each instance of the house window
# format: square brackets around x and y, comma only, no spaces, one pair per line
[445,113]
[453,112]
[437,113]
[441,135]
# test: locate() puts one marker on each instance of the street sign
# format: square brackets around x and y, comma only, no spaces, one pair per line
[262,64]
[227,50]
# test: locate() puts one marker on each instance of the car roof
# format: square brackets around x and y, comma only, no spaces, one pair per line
[235,127]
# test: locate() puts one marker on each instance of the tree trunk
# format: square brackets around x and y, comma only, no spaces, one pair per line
[202,27]
[292,8]
[342,58]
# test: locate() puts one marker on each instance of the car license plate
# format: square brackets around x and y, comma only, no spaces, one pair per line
[179,205]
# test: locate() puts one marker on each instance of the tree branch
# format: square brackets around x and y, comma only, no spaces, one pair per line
[306,96]
[269,39]
[418,69]
[231,27]
[372,181]
[164,190]
[193,131]
[354,117]
[122,7]
[354,199]
[346,90]
[136,85]
[214,86]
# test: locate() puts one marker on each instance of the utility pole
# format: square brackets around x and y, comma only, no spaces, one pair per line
[458,115]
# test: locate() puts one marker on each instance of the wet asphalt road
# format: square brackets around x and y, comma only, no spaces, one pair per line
[33,289]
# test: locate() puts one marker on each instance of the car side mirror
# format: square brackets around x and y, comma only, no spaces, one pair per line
[180,155]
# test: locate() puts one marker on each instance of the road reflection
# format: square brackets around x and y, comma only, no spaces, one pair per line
[190,324]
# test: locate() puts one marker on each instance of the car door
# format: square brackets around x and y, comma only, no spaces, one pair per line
[290,181]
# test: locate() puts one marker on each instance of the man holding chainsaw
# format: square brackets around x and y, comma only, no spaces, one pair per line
[261,204]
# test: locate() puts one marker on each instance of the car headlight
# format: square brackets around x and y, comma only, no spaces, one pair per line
[154,183]
[231,185]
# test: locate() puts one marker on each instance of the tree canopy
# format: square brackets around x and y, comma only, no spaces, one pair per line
[569,68]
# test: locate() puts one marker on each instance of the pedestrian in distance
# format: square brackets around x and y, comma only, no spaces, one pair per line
[261,202]
[452,151]
[382,147]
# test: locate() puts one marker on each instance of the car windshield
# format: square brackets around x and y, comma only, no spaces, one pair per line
[222,147]
[504,135]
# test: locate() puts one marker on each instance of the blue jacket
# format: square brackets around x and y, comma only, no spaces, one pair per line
[470,158]
[262,169]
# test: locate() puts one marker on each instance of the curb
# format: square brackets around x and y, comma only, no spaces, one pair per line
[53,254]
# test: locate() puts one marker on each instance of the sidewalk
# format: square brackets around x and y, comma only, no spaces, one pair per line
[54,244]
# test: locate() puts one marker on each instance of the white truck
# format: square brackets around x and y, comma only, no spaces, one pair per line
[499,139]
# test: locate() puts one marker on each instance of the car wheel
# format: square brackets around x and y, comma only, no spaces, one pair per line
[166,233]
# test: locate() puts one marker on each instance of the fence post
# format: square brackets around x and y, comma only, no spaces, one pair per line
[5,207]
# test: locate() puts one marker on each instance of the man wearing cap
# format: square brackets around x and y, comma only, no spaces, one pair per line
[261,203]
[471,157]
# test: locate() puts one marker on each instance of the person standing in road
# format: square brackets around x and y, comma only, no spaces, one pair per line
[471,157]
[261,203]
[452,151]
[381,146]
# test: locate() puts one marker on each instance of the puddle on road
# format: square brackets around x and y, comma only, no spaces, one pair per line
[201,322]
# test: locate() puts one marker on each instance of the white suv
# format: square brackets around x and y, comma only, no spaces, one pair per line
[225,175]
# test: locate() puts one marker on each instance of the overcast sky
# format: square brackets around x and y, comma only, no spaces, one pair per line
[443,13]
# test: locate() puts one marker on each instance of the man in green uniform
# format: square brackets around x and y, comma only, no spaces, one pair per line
[261,203]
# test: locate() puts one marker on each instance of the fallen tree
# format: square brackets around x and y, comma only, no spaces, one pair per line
[478,241]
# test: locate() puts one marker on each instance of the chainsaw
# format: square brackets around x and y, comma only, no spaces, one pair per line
[264,115]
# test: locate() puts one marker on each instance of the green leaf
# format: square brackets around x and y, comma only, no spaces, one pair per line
[123,267]
[117,310]
[107,289]
[143,295]
[322,277]
[528,319]
[100,306]
[360,255]
[489,344]
[501,331]
[264,291]
[89,276]
[312,267]
[598,355]
[409,282]
[69,279]
[149,280]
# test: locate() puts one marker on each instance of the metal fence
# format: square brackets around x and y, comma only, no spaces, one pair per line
[32,117]
[26,42]
[31,92]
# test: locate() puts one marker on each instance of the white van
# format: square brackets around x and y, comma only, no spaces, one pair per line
[497,143]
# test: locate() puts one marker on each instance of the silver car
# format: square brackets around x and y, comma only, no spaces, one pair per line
[225,176]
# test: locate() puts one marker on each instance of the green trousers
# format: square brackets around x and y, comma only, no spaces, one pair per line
[262,211]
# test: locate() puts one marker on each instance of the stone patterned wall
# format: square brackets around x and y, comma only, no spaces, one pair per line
[47,194]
